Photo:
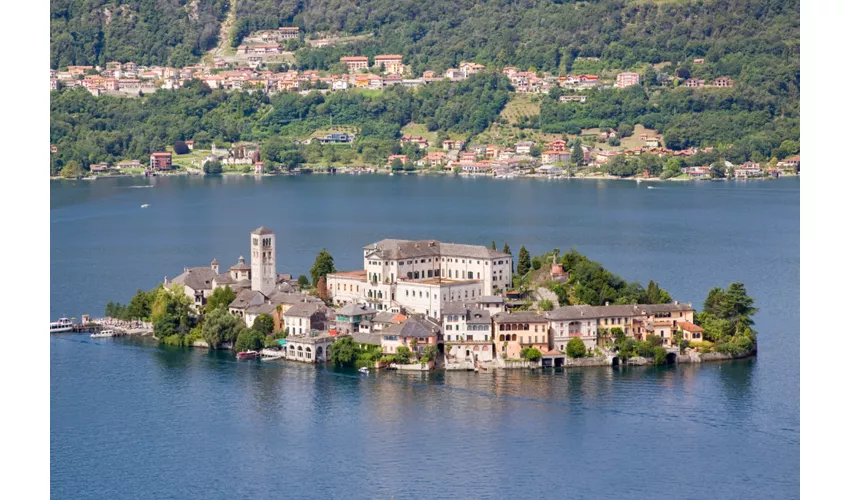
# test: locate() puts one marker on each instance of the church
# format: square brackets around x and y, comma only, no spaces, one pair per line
[258,287]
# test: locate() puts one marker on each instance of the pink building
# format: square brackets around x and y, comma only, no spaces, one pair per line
[627,79]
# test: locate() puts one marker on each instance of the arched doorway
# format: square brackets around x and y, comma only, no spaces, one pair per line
[319,354]
[671,358]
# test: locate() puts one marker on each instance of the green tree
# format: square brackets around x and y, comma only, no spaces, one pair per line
[578,154]
[212,167]
[264,324]
[506,249]
[396,165]
[524,262]
[403,354]
[718,171]
[303,282]
[493,244]
[530,354]
[72,170]
[220,299]
[344,352]
[220,326]
[546,305]
[429,354]
[323,265]
[575,348]
[249,339]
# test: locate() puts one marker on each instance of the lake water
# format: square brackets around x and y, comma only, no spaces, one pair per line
[131,419]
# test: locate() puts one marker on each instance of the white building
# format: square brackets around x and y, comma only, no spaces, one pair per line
[421,276]
[263,270]
[467,333]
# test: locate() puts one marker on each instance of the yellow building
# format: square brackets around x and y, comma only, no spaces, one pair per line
[514,331]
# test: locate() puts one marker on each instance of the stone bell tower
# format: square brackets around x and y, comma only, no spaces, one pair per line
[263,268]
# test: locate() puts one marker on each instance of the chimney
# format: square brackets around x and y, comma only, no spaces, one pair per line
[676,302]
[607,303]
[185,269]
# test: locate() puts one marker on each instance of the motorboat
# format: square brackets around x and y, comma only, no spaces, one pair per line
[649,187]
[145,205]
[104,334]
[62,325]
[247,355]
[364,370]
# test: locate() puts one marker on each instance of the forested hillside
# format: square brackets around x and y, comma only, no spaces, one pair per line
[173,32]
[90,129]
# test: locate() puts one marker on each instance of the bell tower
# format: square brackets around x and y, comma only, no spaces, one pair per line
[263,268]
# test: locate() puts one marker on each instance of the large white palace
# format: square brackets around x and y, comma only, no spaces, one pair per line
[421,276]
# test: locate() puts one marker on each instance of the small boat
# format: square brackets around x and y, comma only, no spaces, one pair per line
[63,325]
[364,370]
[638,181]
[145,205]
[247,355]
[103,334]
[649,187]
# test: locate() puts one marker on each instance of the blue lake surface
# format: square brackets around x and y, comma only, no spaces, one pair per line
[132,419]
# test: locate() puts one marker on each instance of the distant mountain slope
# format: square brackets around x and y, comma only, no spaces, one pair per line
[543,33]
[174,32]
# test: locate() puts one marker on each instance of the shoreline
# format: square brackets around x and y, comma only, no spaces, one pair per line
[690,356]
[605,177]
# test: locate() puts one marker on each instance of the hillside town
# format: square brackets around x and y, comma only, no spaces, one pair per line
[253,69]
[427,297]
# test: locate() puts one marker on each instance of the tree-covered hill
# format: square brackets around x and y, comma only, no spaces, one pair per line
[149,32]
[546,34]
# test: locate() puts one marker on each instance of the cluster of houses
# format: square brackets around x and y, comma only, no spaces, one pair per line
[239,153]
[131,79]
[478,158]
[746,170]
[418,294]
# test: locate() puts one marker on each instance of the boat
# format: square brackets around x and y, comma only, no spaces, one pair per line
[247,355]
[649,187]
[103,334]
[638,181]
[145,205]
[364,370]
[63,325]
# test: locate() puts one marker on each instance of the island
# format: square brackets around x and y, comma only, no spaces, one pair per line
[425,304]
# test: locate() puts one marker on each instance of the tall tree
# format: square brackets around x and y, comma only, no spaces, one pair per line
[493,244]
[264,324]
[221,326]
[524,262]
[323,265]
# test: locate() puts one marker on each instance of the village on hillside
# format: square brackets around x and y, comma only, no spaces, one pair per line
[253,68]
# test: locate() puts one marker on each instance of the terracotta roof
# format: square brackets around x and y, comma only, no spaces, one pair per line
[687,325]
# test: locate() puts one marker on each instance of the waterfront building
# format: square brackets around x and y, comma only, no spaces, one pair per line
[160,161]
[513,331]
[467,333]
[662,320]
[311,348]
[416,333]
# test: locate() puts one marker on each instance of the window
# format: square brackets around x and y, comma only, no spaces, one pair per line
[469,275]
